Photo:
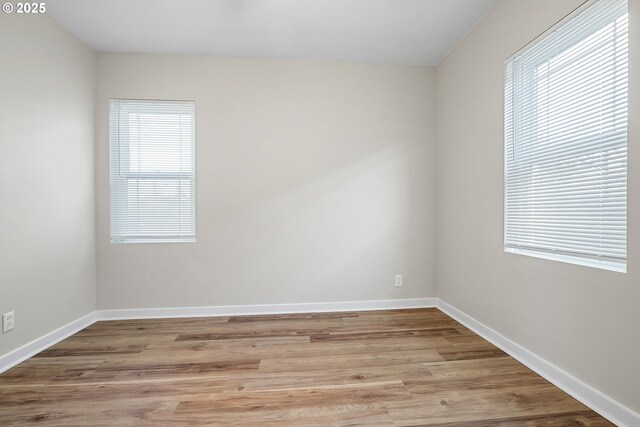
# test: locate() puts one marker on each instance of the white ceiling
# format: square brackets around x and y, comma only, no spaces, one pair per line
[393,31]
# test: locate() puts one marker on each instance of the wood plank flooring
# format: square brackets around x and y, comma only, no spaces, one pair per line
[382,368]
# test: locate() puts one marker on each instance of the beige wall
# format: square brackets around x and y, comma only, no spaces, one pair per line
[314,183]
[581,319]
[47,244]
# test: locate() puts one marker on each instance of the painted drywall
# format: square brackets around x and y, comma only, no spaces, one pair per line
[47,205]
[314,183]
[582,319]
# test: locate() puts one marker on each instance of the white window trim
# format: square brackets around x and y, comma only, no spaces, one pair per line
[583,260]
[114,141]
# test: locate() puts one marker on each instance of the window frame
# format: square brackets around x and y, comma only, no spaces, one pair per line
[123,165]
[510,116]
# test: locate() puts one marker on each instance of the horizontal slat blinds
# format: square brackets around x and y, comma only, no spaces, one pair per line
[566,141]
[152,171]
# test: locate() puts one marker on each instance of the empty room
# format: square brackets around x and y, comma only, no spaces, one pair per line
[320,213]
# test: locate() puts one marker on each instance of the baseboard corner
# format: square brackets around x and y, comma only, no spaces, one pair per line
[34,347]
[586,394]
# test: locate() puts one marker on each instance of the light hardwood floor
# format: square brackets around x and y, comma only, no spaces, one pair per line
[390,368]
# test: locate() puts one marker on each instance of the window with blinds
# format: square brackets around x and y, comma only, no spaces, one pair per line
[566,140]
[152,171]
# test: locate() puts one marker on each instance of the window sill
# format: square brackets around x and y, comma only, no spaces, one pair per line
[152,240]
[587,262]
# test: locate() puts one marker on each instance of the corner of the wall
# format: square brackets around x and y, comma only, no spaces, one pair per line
[34,347]
[591,397]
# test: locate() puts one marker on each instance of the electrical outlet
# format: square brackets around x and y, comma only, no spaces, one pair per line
[7,321]
[398,279]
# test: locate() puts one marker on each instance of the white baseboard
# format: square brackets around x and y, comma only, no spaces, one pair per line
[21,354]
[599,402]
[245,310]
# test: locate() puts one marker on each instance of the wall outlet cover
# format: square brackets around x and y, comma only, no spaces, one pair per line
[8,321]
[398,279]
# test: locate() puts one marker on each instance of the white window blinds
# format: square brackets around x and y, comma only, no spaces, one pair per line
[566,141]
[152,171]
